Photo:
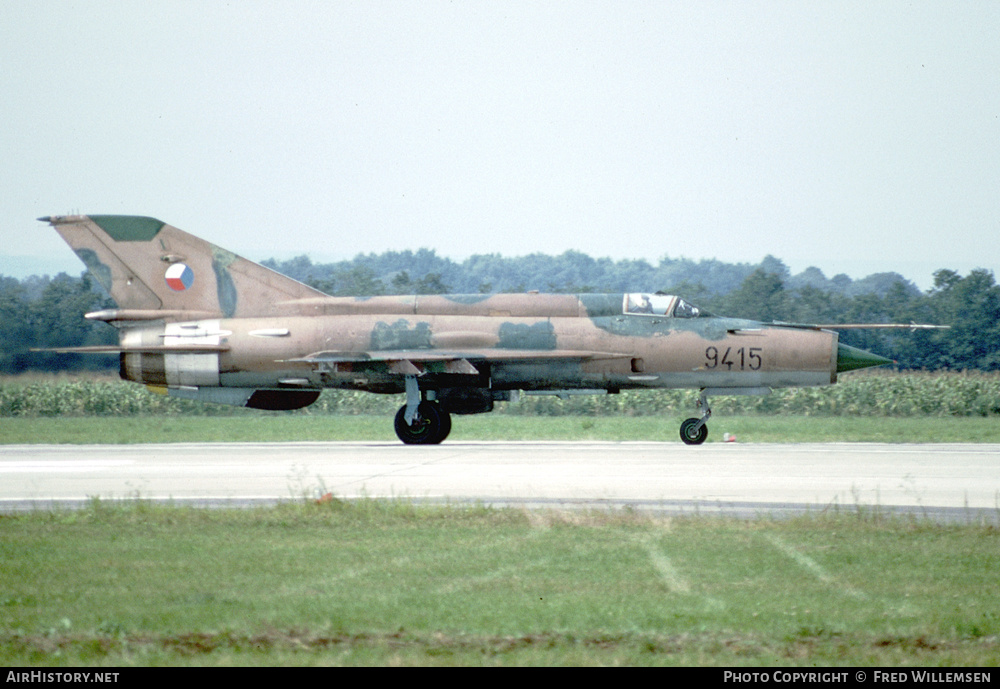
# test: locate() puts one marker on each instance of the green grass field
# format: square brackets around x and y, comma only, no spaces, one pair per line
[376,583]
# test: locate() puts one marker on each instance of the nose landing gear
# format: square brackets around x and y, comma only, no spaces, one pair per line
[694,431]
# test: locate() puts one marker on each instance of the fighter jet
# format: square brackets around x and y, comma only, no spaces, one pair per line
[198,322]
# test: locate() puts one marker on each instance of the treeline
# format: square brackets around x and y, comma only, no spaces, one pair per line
[40,312]
[424,272]
[969,304]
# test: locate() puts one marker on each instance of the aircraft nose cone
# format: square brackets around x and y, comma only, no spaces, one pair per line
[851,358]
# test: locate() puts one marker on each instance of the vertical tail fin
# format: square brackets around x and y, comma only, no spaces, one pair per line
[145,264]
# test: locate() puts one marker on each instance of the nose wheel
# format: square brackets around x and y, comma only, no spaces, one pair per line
[694,431]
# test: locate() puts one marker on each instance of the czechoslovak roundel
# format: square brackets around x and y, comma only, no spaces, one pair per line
[179,277]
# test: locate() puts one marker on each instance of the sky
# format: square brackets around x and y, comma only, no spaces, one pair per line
[857,137]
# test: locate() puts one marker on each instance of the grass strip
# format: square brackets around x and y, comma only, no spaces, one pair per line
[390,583]
[748,428]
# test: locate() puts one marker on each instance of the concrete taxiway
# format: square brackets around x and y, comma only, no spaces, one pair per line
[956,481]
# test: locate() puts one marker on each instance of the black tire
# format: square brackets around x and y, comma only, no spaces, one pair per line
[431,425]
[691,436]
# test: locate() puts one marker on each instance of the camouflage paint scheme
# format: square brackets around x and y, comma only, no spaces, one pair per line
[200,322]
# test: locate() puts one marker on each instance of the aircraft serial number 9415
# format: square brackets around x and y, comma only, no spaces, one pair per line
[743,358]
[198,322]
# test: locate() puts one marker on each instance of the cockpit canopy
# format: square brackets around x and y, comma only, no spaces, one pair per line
[643,303]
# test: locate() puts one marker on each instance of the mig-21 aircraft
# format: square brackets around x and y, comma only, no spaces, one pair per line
[198,322]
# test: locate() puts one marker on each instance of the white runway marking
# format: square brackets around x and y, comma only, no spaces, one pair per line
[813,567]
[673,579]
[668,574]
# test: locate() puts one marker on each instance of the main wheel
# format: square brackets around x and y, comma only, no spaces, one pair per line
[431,425]
[691,434]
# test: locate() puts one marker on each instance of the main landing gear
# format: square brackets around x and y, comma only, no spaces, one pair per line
[430,425]
[419,422]
[694,431]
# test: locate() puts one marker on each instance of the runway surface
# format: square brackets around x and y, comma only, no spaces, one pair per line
[942,481]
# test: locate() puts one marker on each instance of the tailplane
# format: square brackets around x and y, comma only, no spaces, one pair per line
[148,266]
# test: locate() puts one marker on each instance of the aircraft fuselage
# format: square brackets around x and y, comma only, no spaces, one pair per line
[367,351]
